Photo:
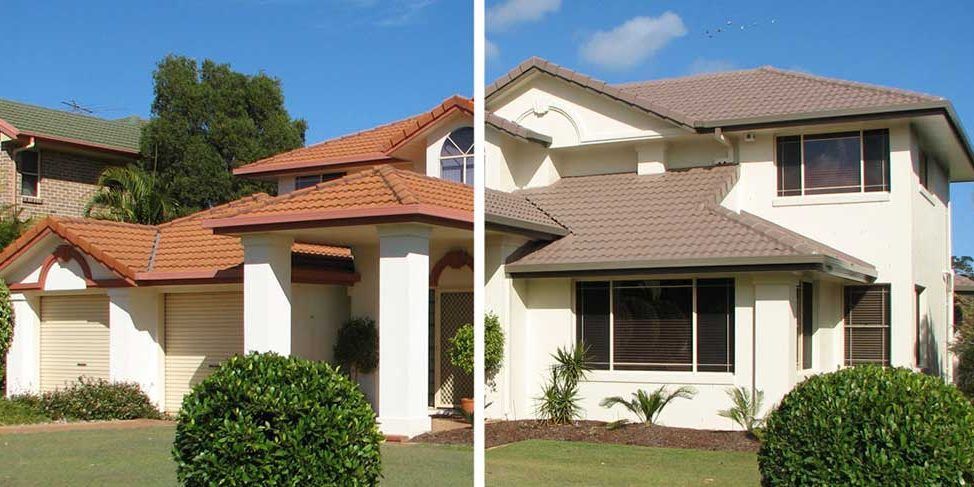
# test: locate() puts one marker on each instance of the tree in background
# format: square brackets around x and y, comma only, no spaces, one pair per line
[207,120]
[131,194]
[963,264]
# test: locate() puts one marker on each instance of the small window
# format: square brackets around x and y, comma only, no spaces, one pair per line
[30,173]
[806,324]
[845,162]
[302,182]
[456,156]
[867,320]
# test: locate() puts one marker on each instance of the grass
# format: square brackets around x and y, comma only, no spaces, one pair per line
[539,462]
[13,412]
[142,457]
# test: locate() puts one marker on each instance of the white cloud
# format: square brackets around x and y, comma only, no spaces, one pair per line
[513,12]
[491,51]
[633,42]
[701,66]
[403,12]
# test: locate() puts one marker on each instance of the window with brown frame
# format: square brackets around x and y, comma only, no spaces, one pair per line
[844,162]
[674,325]
[867,325]
[30,173]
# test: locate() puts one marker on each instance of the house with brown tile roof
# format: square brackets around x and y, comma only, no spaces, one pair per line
[50,160]
[738,229]
[374,224]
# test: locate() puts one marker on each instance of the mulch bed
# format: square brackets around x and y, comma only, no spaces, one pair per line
[504,432]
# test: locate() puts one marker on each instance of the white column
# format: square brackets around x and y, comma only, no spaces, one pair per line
[267,293]
[774,339]
[24,356]
[403,329]
[135,340]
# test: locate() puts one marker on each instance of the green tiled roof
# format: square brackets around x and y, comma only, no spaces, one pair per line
[122,133]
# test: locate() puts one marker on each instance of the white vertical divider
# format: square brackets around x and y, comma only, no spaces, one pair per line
[479,82]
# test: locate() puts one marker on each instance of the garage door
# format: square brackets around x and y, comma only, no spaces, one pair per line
[74,339]
[202,330]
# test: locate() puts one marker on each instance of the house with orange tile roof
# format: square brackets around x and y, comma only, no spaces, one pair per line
[376,224]
[735,229]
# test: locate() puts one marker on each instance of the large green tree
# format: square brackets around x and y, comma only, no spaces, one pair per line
[208,119]
[131,194]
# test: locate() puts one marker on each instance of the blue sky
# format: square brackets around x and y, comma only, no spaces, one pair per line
[345,64]
[925,49]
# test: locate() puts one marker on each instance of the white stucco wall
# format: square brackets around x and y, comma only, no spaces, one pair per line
[23,357]
[317,312]
[136,340]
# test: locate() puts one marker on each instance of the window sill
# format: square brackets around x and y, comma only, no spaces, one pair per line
[661,377]
[33,200]
[831,199]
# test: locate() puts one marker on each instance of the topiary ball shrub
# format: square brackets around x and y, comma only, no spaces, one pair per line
[264,419]
[870,426]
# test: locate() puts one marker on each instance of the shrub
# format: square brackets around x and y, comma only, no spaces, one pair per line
[870,426]
[357,346]
[6,330]
[559,397]
[93,400]
[264,419]
[963,348]
[11,225]
[648,407]
[13,411]
[745,408]
[461,348]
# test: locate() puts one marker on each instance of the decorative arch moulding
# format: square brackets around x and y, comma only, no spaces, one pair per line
[454,259]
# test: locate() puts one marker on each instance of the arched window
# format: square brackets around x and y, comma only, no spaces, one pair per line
[456,156]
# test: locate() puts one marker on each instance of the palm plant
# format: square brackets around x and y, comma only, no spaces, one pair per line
[559,401]
[745,408]
[647,407]
[130,194]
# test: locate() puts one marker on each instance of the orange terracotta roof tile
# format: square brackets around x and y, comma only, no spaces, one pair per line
[368,145]
[380,191]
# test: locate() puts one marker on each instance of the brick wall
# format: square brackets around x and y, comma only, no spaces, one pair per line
[67,181]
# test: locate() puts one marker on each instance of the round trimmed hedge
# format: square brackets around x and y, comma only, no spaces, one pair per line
[264,419]
[870,426]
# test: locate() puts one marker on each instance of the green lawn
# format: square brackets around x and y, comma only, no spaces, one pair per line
[573,463]
[141,457]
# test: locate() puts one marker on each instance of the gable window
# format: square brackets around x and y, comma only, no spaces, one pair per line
[867,320]
[456,156]
[844,162]
[302,182]
[30,173]
[806,320]
[669,325]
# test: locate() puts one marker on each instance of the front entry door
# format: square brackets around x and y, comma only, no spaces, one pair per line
[453,309]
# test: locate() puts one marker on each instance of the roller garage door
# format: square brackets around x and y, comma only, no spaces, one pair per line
[74,339]
[202,330]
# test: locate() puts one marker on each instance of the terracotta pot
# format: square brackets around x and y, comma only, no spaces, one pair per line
[466,404]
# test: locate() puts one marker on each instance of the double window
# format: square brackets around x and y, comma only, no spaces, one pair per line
[671,325]
[30,173]
[302,182]
[456,156]
[845,162]
[867,325]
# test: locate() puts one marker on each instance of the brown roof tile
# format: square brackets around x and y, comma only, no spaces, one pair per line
[516,129]
[373,144]
[963,283]
[629,220]
[514,210]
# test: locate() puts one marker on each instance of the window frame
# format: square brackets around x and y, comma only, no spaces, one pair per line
[886,360]
[37,175]
[467,157]
[320,178]
[803,187]
[695,365]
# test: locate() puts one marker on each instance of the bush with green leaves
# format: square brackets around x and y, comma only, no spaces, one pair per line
[357,346]
[92,399]
[745,408]
[461,348]
[11,224]
[6,330]
[264,419]
[648,407]
[15,411]
[870,426]
[963,349]
[559,401]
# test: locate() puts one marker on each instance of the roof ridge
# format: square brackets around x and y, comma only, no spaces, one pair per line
[547,213]
[711,74]
[89,248]
[849,83]
[434,114]
[82,219]
[67,113]
[734,217]
[152,252]
[400,189]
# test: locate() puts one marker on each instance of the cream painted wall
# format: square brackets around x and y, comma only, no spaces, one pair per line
[23,358]
[317,312]
[136,351]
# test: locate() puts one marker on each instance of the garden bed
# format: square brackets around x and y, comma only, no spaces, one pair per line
[503,432]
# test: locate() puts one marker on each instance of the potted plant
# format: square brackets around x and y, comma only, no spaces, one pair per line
[461,353]
[357,347]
